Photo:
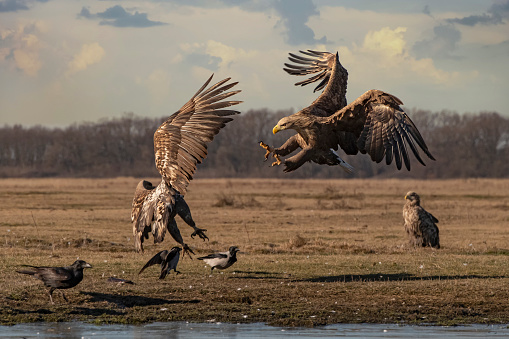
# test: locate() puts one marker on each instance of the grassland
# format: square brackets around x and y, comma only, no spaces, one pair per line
[314,252]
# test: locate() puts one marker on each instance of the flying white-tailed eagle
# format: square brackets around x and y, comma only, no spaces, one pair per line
[180,143]
[374,123]
[420,225]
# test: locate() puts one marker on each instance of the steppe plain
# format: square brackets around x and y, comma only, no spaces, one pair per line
[314,252]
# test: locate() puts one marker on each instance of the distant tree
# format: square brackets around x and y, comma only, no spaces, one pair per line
[466,145]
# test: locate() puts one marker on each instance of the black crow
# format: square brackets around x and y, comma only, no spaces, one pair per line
[58,277]
[221,260]
[167,259]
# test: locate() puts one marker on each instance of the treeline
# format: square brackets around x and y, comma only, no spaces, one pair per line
[466,145]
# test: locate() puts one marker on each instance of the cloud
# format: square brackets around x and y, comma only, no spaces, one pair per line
[157,83]
[117,16]
[294,16]
[494,16]
[16,5]
[213,55]
[12,5]
[20,48]
[386,51]
[90,54]
[426,11]
[387,41]
[443,43]
[227,54]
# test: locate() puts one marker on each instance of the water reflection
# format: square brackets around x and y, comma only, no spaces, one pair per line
[220,330]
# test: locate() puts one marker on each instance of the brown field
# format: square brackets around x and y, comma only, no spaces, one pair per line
[314,252]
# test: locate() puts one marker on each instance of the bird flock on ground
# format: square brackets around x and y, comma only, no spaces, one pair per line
[373,124]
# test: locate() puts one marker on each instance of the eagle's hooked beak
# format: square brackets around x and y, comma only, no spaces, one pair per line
[406,197]
[276,129]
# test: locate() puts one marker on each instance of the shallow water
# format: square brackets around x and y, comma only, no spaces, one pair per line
[258,330]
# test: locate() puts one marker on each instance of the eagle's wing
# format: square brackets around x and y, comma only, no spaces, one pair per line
[430,216]
[314,62]
[181,141]
[155,260]
[382,128]
[142,213]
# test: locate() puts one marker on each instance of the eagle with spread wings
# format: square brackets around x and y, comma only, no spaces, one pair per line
[373,124]
[180,143]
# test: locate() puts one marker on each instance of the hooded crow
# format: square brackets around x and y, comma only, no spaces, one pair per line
[167,259]
[221,260]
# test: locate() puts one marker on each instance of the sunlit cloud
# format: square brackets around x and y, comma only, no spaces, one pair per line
[20,48]
[385,52]
[90,54]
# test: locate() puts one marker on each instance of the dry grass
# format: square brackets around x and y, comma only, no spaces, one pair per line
[314,252]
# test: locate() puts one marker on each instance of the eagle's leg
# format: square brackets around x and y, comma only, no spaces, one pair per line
[270,150]
[175,233]
[288,147]
[185,213]
[298,160]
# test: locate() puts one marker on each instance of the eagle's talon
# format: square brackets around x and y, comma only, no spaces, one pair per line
[200,232]
[186,250]
[278,160]
[268,148]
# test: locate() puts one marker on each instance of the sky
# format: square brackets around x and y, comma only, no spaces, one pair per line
[73,61]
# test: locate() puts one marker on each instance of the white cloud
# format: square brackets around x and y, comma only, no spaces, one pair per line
[384,53]
[20,48]
[227,54]
[90,54]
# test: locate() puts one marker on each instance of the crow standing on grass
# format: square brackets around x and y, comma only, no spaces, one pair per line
[58,277]
[167,259]
[221,260]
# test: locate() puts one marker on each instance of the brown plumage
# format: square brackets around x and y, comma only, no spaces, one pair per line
[374,123]
[420,225]
[180,143]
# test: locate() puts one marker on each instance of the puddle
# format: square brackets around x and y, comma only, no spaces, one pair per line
[258,330]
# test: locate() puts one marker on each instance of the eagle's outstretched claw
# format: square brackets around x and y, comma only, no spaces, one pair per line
[186,250]
[269,151]
[267,148]
[278,160]
[201,233]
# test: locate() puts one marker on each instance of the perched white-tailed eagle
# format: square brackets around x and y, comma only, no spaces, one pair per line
[180,143]
[420,225]
[374,123]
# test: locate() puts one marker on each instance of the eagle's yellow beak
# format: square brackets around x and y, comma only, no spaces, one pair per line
[405,197]
[276,129]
